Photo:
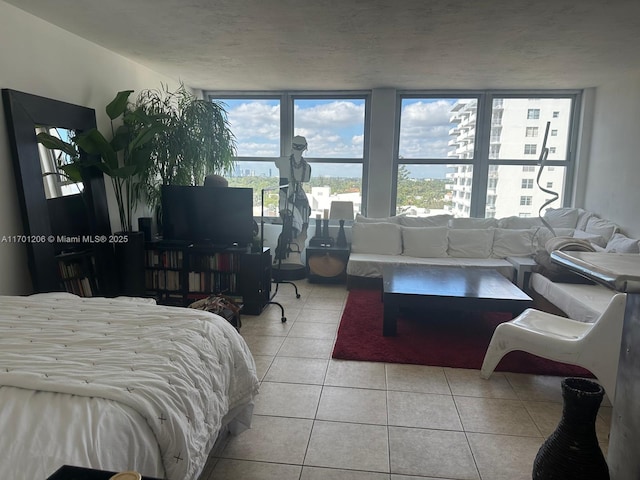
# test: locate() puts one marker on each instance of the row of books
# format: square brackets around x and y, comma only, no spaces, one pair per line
[80,286]
[164,258]
[162,280]
[224,262]
[72,269]
[212,282]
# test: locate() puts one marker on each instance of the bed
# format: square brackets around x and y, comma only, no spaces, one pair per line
[117,384]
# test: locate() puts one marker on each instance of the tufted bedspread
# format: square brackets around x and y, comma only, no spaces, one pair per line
[175,375]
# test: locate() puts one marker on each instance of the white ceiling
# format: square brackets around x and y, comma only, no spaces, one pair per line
[362,44]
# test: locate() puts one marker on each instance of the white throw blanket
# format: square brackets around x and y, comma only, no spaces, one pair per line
[183,370]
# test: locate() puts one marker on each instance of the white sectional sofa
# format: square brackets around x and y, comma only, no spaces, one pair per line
[490,243]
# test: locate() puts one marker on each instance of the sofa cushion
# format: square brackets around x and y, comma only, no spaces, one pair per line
[384,238]
[590,237]
[362,219]
[620,243]
[583,218]
[425,242]
[562,217]
[432,221]
[519,223]
[470,242]
[473,223]
[512,243]
[602,227]
[541,235]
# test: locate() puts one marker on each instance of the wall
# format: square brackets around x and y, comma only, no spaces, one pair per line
[45,60]
[611,188]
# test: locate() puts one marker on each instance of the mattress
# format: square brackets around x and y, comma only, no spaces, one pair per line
[581,302]
[370,264]
[117,384]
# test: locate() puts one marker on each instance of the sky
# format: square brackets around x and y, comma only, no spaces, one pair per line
[335,129]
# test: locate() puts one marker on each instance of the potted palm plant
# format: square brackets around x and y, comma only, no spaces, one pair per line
[123,158]
[195,142]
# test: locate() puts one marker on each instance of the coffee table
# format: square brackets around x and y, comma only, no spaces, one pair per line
[456,288]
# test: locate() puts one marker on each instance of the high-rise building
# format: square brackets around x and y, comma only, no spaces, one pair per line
[518,128]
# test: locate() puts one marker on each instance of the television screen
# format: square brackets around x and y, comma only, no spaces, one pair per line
[221,216]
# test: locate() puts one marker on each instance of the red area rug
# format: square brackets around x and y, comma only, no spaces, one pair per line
[439,338]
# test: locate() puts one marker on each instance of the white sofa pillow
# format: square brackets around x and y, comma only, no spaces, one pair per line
[541,235]
[473,223]
[362,219]
[602,227]
[509,242]
[562,217]
[432,221]
[591,237]
[380,238]
[583,218]
[425,242]
[620,243]
[470,242]
[519,223]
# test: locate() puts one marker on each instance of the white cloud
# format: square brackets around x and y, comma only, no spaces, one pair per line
[338,114]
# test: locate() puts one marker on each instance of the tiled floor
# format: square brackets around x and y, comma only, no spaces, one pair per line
[322,419]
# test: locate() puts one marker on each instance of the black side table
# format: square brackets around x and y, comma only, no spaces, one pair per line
[327,264]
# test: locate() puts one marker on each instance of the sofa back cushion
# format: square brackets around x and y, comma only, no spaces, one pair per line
[519,223]
[380,238]
[362,219]
[425,242]
[591,237]
[602,227]
[470,242]
[432,221]
[562,217]
[512,243]
[473,223]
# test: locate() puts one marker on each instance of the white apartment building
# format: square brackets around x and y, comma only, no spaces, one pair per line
[517,131]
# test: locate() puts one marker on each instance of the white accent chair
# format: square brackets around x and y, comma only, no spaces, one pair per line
[594,346]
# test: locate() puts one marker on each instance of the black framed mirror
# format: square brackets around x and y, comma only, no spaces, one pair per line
[45,219]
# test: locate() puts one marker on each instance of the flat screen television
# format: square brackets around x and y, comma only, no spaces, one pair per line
[219,216]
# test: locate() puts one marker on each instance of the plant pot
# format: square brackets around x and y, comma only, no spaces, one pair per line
[129,252]
[572,451]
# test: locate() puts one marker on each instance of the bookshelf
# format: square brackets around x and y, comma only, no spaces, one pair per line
[178,273]
[78,273]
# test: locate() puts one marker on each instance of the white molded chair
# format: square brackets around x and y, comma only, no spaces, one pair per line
[594,346]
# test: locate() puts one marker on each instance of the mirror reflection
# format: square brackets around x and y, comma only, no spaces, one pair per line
[56,182]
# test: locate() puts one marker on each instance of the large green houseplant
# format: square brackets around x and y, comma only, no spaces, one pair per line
[124,157]
[195,142]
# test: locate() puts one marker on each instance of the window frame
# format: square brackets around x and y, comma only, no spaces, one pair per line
[287,100]
[482,159]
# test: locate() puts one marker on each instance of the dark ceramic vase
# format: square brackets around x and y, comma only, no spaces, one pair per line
[341,241]
[572,451]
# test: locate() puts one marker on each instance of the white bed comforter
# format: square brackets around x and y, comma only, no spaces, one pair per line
[184,371]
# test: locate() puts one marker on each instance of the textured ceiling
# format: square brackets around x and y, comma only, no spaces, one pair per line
[362,44]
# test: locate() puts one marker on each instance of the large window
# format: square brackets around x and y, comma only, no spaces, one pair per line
[335,129]
[487,148]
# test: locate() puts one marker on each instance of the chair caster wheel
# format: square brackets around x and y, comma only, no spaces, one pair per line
[283,319]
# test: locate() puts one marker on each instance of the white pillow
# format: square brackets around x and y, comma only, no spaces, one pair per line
[425,242]
[470,242]
[362,219]
[432,221]
[562,217]
[620,243]
[519,223]
[583,217]
[541,235]
[599,226]
[509,242]
[593,238]
[381,238]
[473,223]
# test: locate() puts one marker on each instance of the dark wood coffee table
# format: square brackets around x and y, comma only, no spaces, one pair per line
[457,288]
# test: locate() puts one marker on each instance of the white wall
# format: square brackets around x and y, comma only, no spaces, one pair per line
[39,58]
[612,180]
